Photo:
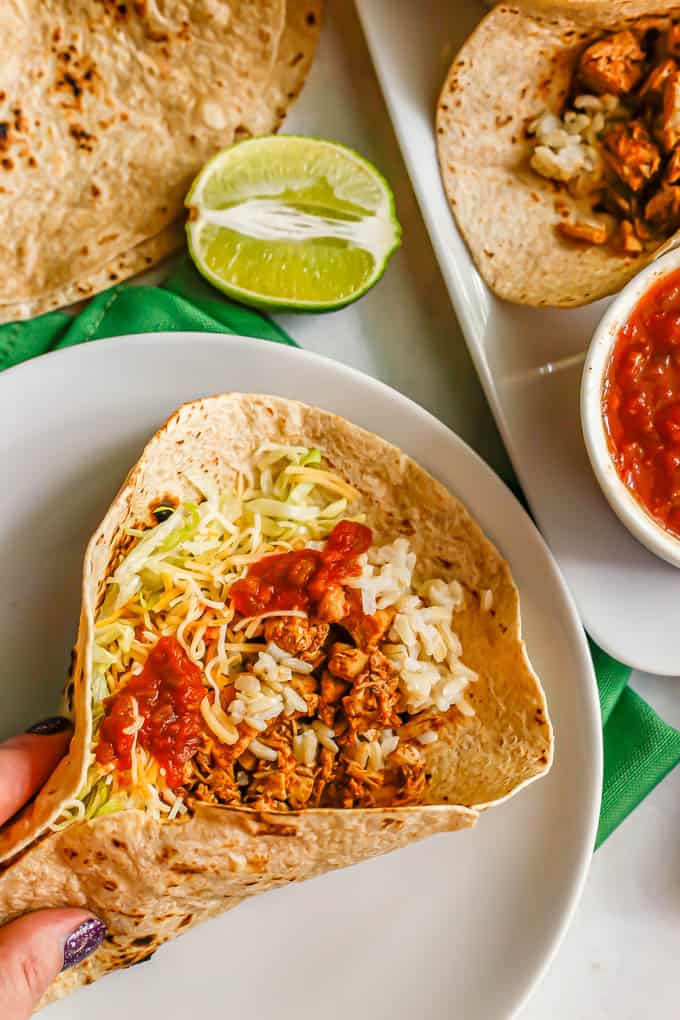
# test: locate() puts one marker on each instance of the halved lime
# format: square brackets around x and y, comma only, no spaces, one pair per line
[286,222]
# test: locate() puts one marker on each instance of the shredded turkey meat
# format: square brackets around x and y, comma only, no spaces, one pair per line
[297,636]
[353,745]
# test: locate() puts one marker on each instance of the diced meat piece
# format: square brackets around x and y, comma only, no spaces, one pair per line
[613,64]
[332,689]
[228,753]
[212,780]
[333,604]
[663,209]
[268,788]
[300,788]
[590,231]
[673,39]
[268,785]
[672,171]
[627,240]
[248,761]
[631,154]
[201,764]
[381,668]
[346,661]
[368,631]
[418,724]
[405,779]
[279,736]
[372,701]
[332,693]
[300,638]
[670,118]
[362,786]
[328,764]
[307,686]
[653,84]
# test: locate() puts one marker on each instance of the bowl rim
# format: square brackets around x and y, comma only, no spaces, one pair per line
[630,512]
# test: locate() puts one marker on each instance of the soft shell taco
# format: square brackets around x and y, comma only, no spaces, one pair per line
[558,131]
[296,651]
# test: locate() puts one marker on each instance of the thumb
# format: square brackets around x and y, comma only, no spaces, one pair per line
[35,948]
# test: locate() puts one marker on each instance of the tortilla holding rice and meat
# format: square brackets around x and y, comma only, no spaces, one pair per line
[296,651]
[558,131]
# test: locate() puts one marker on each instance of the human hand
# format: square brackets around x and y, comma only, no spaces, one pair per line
[36,947]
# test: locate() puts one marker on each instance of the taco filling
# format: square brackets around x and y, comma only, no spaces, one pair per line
[258,649]
[617,142]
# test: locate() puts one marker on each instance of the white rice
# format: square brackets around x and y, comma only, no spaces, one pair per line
[262,751]
[567,148]
[325,735]
[426,651]
[305,746]
[386,574]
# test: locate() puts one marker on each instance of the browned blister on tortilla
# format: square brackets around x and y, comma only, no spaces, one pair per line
[150,880]
[518,63]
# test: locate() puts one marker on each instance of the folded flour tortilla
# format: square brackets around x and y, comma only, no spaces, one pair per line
[148,879]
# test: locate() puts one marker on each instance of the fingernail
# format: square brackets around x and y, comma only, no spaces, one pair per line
[87,937]
[47,727]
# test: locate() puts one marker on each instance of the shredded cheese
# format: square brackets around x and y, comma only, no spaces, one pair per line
[323,478]
[217,721]
[133,730]
[266,616]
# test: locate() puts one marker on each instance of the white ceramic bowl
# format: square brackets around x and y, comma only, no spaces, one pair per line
[641,524]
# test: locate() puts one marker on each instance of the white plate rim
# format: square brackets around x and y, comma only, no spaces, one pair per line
[580,871]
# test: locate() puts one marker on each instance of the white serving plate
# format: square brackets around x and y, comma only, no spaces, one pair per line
[529,361]
[461,924]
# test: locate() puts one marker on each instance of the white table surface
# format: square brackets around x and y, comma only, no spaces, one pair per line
[621,954]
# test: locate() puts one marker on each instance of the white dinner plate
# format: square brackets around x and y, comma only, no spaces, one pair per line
[460,925]
[529,361]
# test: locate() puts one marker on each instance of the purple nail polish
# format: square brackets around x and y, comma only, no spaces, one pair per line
[47,727]
[87,937]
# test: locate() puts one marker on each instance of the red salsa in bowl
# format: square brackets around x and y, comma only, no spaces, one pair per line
[641,402]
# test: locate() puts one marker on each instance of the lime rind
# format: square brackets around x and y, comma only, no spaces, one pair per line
[273,223]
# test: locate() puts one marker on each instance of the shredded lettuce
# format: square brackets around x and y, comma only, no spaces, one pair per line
[112,805]
[100,688]
[96,798]
[191,519]
[278,509]
[312,457]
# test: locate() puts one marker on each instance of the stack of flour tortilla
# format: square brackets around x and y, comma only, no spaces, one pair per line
[107,112]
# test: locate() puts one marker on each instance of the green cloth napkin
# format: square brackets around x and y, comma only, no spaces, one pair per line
[639,747]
